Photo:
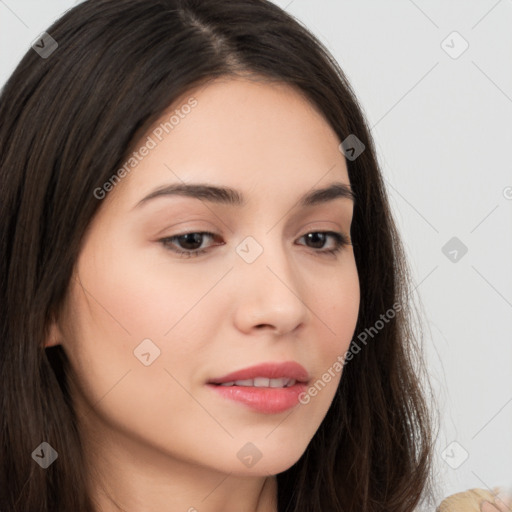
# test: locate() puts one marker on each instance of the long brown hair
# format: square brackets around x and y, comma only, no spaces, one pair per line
[67,122]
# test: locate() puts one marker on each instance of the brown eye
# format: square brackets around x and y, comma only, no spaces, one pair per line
[318,239]
[189,243]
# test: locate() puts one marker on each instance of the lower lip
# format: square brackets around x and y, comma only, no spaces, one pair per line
[265,400]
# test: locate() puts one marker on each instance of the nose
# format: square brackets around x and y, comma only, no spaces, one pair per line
[269,293]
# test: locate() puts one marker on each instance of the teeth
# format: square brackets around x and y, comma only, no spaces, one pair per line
[246,382]
[262,382]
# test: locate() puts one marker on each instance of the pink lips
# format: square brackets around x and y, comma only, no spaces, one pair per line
[264,399]
[289,369]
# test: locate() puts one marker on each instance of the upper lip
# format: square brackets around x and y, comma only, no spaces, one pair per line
[272,370]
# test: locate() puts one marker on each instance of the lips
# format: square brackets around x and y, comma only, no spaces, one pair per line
[261,373]
[268,388]
[262,400]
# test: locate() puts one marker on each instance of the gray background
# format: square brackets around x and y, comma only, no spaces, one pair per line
[441,123]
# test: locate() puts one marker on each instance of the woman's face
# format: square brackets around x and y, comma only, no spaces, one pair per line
[146,329]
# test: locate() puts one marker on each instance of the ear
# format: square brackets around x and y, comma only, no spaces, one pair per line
[54,334]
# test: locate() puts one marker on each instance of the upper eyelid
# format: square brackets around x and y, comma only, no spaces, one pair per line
[214,234]
[312,227]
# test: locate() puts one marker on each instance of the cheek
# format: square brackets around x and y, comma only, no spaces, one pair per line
[336,305]
[112,314]
[335,309]
[133,292]
[120,300]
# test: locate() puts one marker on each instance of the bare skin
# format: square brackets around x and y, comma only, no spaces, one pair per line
[156,437]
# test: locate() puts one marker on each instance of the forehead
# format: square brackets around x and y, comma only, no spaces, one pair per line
[254,136]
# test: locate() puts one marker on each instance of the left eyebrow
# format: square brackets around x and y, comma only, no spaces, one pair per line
[232,197]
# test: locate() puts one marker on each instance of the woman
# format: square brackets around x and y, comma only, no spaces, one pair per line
[276,370]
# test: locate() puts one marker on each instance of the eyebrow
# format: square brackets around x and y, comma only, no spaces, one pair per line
[232,197]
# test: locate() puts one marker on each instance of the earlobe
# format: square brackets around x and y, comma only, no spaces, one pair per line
[54,335]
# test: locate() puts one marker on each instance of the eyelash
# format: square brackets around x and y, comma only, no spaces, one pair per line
[340,239]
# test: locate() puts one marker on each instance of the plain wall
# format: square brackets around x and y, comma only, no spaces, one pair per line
[442,125]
